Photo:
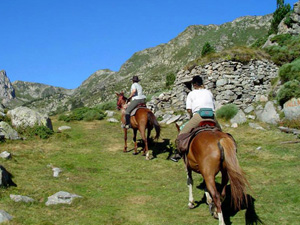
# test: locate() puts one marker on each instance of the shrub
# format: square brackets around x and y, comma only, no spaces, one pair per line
[227,112]
[290,71]
[207,48]
[83,113]
[41,131]
[93,115]
[111,105]
[289,90]
[170,79]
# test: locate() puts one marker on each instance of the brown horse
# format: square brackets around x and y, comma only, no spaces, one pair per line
[210,152]
[142,120]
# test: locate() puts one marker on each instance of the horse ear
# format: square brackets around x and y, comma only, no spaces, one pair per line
[122,93]
[117,93]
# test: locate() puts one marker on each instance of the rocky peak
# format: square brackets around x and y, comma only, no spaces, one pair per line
[7,91]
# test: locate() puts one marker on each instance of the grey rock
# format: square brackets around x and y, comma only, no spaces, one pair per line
[8,131]
[5,155]
[7,92]
[56,171]
[291,109]
[109,113]
[256,126]
[234,125]
[63,128]
[268,114]
[24,116]
[61,197]
[20,198]
[239,118]
[4,216]
[249,109]
[112,120]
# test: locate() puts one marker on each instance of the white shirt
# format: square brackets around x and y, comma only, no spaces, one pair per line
[139,91]
[200,98]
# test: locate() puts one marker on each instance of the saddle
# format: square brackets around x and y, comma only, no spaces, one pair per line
[183,140]
[141,105]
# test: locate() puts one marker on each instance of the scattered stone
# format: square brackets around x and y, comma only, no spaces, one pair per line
[249,109]
[234,125]
[5,155]
[109,113]
[20,198]
[61,197]
[256,126]
[250,117]
[4,216]
[258,148]
[56,171]
[63,128]
[112,120]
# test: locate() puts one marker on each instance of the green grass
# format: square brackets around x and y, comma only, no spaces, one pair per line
[120,188]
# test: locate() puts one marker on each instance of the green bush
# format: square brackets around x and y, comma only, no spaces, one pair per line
[41,131]
[83,113]
[93,115]
[207,49]
[111,105]
[290,71]
[227,112]
[287,50]
[289,90]
[170,79]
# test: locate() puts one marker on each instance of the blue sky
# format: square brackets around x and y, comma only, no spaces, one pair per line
[62,42]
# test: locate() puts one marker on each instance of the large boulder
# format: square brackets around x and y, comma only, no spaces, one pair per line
[291,109]
[239,118]
[25,117]
[268,114]
[8,131]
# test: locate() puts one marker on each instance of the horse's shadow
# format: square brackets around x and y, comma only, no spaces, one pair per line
[157,147]
[229,211]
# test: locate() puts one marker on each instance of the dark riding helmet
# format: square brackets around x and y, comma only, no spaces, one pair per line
[197,80]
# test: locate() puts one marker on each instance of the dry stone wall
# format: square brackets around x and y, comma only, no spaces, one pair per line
[230,82]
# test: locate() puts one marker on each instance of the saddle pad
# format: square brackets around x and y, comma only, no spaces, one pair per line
[133,112]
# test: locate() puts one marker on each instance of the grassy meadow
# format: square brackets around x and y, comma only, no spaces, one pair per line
[120,188]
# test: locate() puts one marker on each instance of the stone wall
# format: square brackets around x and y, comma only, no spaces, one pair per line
[230,82]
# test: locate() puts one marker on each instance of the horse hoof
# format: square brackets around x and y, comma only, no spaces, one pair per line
[191,205]
[135,153]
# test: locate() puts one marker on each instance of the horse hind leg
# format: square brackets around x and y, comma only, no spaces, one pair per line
[191,204]
[211,186]
[146,151]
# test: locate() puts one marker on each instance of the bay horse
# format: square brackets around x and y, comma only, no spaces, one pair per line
[142,120]
[210,152]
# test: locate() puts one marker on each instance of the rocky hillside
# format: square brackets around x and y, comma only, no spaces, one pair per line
[151,65]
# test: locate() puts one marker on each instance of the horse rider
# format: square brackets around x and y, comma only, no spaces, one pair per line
[136,94]
[198,98]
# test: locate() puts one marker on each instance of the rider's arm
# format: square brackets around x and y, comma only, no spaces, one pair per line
[132,93]
[190,112]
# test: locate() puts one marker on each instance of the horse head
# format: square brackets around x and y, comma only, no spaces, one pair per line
[121,100]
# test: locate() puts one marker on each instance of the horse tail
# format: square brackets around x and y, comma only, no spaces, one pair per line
[153,122]
[238,181]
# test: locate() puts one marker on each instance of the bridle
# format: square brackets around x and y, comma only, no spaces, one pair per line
[121,101]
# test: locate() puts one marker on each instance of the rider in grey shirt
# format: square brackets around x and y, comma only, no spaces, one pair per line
[137,98]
